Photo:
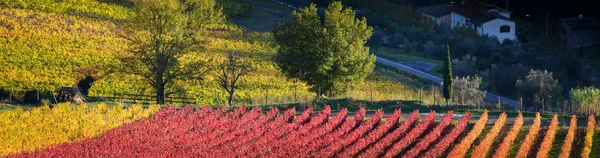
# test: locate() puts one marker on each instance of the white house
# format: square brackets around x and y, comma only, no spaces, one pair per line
[484,18]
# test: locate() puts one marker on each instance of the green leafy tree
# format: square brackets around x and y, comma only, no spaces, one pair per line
[162,32]
[447,76]
[539,88]
[325,54]
[465,90]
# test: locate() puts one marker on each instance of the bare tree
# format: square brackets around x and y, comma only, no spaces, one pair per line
[230,73]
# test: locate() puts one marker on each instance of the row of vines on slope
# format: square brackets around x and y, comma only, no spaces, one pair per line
[42,127]
[243,132]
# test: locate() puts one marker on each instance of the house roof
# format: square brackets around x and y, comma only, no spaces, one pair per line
[436,10]
[486,17]
[476,11]
[581,23]
[475,8]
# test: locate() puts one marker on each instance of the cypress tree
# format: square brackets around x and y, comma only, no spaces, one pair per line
[447,75]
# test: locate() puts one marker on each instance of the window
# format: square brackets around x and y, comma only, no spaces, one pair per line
[504,29]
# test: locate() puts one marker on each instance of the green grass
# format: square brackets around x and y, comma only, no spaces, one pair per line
[559,138]
[596,145]
[405,79]
[254,17]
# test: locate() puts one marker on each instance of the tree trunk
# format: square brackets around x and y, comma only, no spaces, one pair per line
[543,104]
[160,94]
[231,98]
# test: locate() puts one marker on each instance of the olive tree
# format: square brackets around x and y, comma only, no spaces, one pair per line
[539,88]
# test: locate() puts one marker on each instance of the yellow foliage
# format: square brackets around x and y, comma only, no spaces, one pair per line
[44,127]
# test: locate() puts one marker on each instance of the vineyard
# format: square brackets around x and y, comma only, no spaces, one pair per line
[250,132]
[47,45]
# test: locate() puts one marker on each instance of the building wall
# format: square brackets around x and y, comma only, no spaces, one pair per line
[446,19]
[436,20]
[492,28]
[458,20]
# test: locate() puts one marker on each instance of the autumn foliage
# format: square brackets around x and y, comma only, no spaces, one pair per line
[548,138]
[465,144]
[530,138]
[249,132]
[483,148]
[447,140]
[504,149]
[41,127]
[568,142]
[589,136]
[434,135]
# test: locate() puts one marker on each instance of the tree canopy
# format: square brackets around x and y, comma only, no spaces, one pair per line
[323,54]
[447,76]
[160,33]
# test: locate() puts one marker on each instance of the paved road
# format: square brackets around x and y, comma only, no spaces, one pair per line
[489,96]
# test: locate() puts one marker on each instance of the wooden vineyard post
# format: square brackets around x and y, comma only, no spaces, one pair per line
[371,94]
[421,96]
[295,89]
[266,96]
[433,93]
[521,103]
[499,106]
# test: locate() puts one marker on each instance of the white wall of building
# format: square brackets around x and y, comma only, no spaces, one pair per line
[436,20]
[492,28]
[458,20]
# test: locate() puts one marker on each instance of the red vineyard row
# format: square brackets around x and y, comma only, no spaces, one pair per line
[207,132]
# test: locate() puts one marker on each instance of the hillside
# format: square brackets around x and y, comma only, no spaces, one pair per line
[52,45]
